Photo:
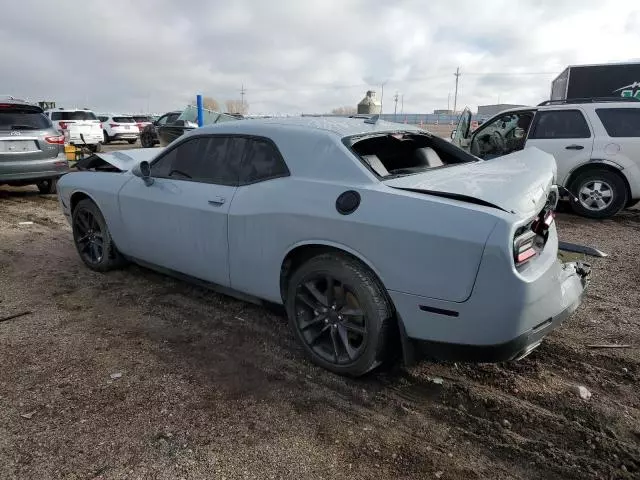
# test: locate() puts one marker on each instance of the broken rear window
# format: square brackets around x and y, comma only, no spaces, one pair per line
[406,153]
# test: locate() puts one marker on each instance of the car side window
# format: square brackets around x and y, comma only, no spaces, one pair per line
[620,122]
[551,124]
[55,115]
[203,159]
[163,120]
[262,161]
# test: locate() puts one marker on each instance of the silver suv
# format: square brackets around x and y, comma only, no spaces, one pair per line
[31,149]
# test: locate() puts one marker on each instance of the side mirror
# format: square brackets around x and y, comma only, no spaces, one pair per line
[453,133]
[143,171]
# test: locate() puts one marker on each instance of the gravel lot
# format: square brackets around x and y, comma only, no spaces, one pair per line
[132,374]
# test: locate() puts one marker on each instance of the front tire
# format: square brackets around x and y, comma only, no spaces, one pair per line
[106,140]
[48,186]
[340,313]
[92,238]
[600,193]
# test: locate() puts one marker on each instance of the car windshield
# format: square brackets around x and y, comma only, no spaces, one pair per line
[74,115]
[396,154]
[23,120]
[139,118]
[124,120]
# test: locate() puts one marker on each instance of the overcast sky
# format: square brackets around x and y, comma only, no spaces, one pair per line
[303,55]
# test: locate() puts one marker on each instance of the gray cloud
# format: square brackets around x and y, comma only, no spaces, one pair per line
[307,56]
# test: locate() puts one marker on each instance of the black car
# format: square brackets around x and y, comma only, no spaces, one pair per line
[149,135]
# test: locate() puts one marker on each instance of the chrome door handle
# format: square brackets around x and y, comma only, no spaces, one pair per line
[217,201]
[574,147]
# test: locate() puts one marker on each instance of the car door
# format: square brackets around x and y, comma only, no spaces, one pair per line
[460,135]
[564,133]
[179,221]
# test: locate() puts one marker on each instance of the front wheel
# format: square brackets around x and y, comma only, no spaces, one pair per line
[600,193]
[105,137]
[92,238]
[48,186]
[340,313]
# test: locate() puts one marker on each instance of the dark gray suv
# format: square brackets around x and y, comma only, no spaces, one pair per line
[31,149]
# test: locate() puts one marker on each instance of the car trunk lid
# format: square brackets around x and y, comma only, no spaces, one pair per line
[518,183]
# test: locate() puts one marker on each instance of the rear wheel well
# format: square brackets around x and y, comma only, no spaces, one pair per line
[598,166]
[75,199]
[299,255]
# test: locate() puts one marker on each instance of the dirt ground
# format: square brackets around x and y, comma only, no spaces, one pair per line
[135,375]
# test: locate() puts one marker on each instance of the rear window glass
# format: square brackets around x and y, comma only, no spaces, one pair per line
[620,122]
[123,120]
[78,115]
[17,120]
[141,119]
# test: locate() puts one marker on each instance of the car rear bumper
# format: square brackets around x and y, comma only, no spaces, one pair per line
[27,170]
[89,138]
[125,136]
[528,324]
[514,349]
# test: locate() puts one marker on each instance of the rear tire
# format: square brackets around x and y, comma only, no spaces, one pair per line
[346,328]
[95,148]
[105,136]
[131,142]
[92,238]
[145,140]
[601,193]
[48,186]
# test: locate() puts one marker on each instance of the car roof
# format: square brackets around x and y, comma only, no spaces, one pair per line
[17,101]
[343,127]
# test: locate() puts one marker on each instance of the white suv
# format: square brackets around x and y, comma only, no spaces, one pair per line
[596,144]
[79,126]
[119,127]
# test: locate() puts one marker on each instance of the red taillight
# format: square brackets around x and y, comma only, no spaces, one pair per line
[524,248]
[113,125]
[55,139]
[63,125]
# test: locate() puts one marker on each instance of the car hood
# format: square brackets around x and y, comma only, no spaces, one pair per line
[518,183]
[121,160]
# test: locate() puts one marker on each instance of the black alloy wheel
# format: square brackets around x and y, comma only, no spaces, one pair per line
[341,313]
[89,237]
[331,320]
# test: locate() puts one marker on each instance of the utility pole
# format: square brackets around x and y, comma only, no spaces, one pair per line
[382,97]
[402,104]
[455,98]
[395,108]
[449,102]
[242,93]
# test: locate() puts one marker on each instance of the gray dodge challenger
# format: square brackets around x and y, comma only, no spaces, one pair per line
[378,238]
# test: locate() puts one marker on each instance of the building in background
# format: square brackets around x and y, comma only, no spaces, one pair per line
[486,111]
[369,105]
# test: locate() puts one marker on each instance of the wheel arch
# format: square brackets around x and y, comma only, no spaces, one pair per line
[76,197]
[599,165]
[303,251]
